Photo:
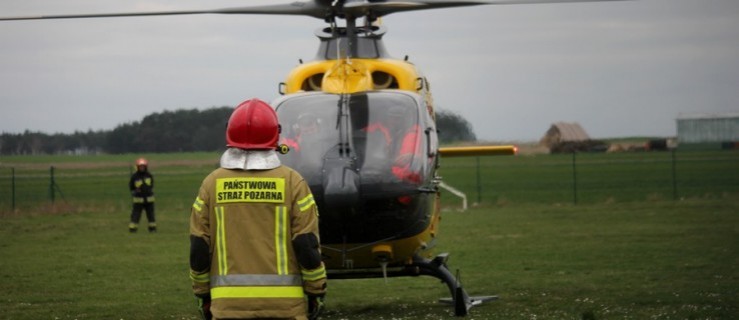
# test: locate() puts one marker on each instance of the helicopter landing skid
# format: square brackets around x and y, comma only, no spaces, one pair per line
[437,268]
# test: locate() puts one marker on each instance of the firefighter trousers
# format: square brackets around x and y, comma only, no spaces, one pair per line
[136,215]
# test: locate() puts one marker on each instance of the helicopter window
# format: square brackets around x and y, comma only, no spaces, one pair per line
[387,137]
[387,141]
[366,48]
[309,128]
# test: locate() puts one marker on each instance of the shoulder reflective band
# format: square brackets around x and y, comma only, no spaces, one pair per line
[233,190]
[281,224]
[257,292]
[198,204]
[221,241]
[305,203]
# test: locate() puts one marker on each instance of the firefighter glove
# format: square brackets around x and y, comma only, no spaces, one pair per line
[204,306]
[315,306]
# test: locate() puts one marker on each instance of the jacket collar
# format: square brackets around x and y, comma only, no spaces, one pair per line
[235,158]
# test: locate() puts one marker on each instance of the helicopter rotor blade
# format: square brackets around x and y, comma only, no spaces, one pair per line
[312,9]
[383,8]
[321,9]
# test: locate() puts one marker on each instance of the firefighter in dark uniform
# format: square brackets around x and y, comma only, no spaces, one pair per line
[254,240]
[142,191]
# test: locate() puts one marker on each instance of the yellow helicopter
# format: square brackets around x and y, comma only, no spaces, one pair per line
[361,129]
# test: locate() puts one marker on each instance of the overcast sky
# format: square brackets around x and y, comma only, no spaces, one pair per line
[618,68]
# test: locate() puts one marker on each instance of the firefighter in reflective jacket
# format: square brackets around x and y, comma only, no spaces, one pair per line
[141,186]
[254,241]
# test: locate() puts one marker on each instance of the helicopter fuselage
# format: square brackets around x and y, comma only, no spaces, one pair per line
[370,160]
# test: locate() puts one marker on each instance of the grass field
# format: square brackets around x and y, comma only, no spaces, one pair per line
[623,258]
[651,260]
[101,181]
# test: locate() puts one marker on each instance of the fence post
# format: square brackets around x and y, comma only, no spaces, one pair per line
[479,186]
[51,184]
[574,178]
[674,175]
[12,188]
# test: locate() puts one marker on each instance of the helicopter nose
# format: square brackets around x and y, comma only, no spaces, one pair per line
[340,184]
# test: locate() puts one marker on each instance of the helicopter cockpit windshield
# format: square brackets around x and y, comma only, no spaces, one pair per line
[386,136]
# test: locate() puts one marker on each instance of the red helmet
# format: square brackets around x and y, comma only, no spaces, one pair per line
[142,162]
[253,125]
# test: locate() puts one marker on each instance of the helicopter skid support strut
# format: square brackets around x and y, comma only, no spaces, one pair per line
[437,268]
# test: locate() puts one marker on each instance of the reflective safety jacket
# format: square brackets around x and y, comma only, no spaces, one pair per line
[142,187]
[403,165]
[250,221]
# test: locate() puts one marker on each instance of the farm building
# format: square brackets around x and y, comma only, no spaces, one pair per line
[564,132]
[569,137]
[704,127]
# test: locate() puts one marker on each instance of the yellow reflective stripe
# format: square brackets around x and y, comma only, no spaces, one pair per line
[221,241]
[198,204]
[205,277]
[256,292]
[281,239]
[305,203]
[315,274]
[141,199]
[147,181]
[138,183]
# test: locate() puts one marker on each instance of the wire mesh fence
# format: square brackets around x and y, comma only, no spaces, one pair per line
[595,177]
[100,187]
[553,179]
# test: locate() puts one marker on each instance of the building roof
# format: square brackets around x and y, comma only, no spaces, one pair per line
[705,115]
[564,132]
[570,131]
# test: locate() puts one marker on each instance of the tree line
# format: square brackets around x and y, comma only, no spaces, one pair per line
[182,130]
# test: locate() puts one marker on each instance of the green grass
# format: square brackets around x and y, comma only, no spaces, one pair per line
[101,181]
[595,178]
[627,250]
[650,260]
